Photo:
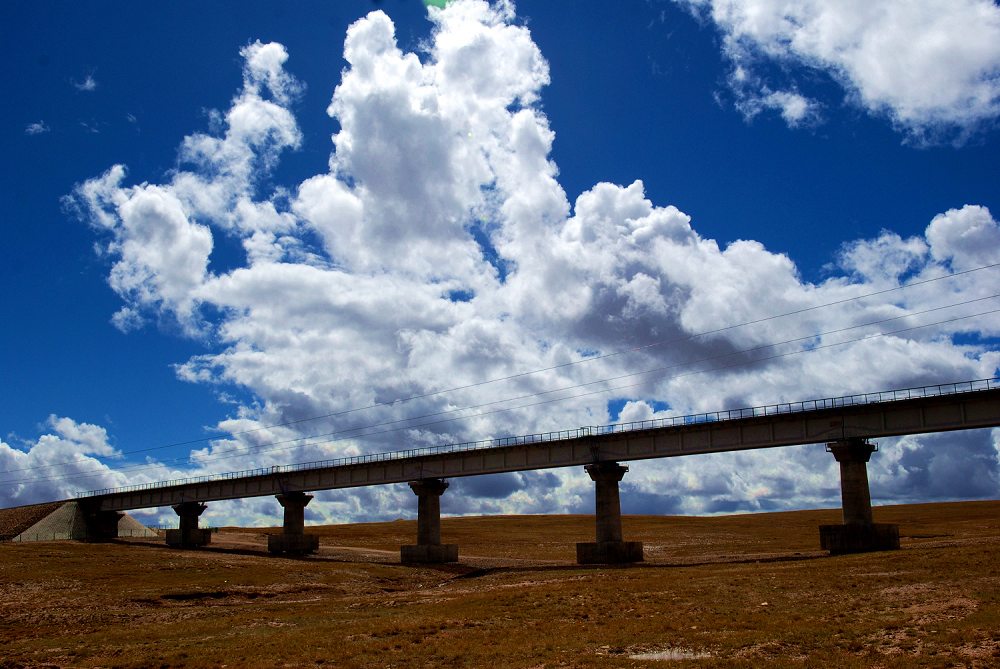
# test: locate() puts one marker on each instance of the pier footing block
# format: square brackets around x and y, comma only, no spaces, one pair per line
[297,544]
[429,553]
[194,538]
[609,552]
[839,539]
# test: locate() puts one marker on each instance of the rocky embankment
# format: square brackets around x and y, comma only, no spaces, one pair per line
[17,520]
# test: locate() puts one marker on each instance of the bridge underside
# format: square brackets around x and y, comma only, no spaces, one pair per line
[846,430]
[960,411]
[858,533]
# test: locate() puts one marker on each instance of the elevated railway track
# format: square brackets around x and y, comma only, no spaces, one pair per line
[846,424]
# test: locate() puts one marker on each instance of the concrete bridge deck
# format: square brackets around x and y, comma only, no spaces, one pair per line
[961,406]
[845,424]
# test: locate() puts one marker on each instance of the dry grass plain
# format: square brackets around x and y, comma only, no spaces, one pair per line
[736,591]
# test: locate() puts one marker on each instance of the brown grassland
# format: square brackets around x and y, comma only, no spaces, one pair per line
[735,591]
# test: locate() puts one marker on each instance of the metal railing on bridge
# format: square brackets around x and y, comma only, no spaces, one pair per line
[586,431]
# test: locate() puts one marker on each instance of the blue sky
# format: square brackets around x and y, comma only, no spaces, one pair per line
[759,131]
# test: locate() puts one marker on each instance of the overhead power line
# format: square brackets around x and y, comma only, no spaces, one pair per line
[348,433]
[635,349]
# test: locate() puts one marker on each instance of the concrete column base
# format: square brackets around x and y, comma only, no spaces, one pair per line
[429,554]
[188,535]
[609,552]
[194,539]
[839,539]
[292,543]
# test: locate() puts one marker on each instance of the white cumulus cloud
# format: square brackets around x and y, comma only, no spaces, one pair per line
[931,67]
[37,128]
[54,460]
[88,85]
[439,251]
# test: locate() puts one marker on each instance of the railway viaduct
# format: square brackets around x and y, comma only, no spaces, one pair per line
[846,424]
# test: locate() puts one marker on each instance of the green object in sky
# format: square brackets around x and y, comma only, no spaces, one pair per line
[436,3]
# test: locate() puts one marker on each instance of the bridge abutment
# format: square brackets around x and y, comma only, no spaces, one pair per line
[293,538]
[429,548]
[189,536]
[100,525]
[859,533]
[609,547]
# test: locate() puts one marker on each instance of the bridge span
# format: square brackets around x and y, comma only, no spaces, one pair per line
[845,424]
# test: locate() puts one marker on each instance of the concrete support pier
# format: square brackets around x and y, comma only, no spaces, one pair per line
[189,536]
[859,533]
[100,525]
[429,548]
[293,539]
[609,547]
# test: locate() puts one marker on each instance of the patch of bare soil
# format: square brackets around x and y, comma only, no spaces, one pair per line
[739,591]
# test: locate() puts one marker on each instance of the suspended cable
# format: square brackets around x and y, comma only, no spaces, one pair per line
[595,358]
[343,434]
